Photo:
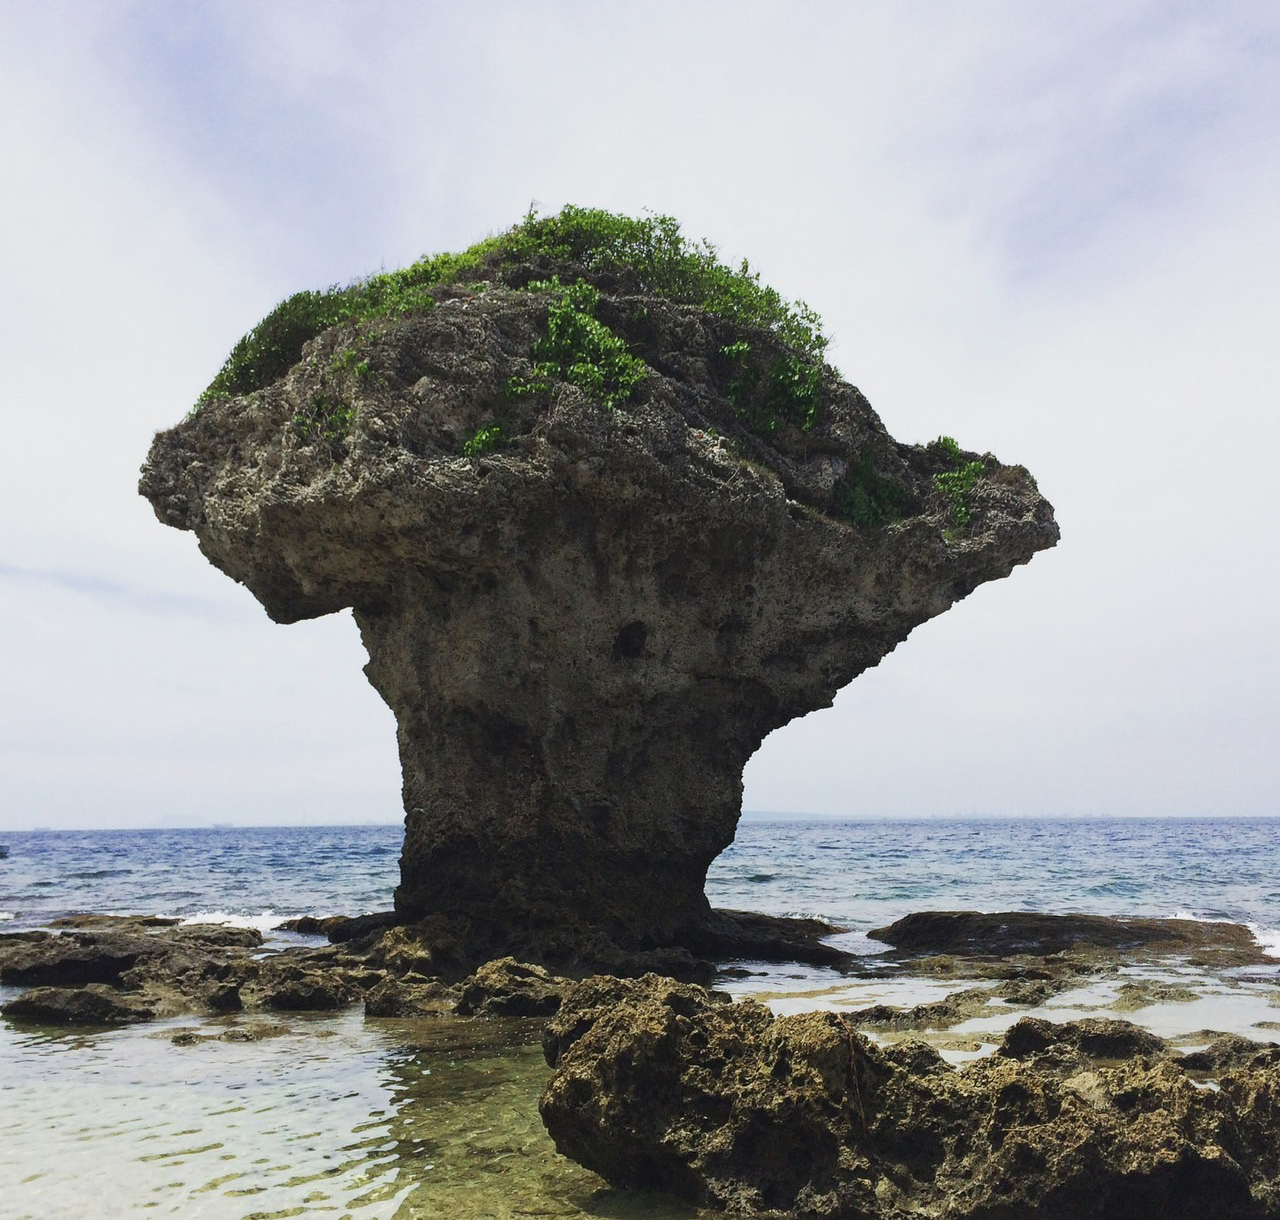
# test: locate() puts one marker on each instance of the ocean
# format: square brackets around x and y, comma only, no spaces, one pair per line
[333,1116]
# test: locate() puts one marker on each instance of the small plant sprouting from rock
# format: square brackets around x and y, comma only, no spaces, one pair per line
[949,446]
[580,349]
[486,439]
[326,419]
[867,498]
[349,361]
[956,484]
[788,391]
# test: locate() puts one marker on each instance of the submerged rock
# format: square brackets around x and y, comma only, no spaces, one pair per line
[600,540]
[662,1085]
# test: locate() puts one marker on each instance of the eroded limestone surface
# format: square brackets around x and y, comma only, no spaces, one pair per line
[663,1085]
[585,632]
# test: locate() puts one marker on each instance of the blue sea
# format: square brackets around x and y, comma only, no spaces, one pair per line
[334,1116]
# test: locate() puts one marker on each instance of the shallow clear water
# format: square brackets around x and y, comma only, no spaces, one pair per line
[337,1116]
[326,1116]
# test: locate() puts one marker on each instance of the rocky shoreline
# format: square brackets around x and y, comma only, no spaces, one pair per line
[121,968]
[662,1084]
[107,969]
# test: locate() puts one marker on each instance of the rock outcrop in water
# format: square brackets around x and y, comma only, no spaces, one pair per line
[661,1085]
[588,586]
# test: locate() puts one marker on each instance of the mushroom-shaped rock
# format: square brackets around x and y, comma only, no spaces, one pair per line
[603,526]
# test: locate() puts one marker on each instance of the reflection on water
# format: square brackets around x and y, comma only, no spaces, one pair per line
[322,1117]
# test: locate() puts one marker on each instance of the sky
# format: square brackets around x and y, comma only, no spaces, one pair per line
[1047,230]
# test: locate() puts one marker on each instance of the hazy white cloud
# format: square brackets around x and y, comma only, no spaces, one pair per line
[1046,230]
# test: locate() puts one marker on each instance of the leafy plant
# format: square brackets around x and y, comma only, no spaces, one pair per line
[662,261]
[788,391]
[326,419]
[867,498]
[956,485]
[348,361]
[487,438]
[577,347]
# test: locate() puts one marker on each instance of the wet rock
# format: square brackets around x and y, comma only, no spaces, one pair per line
[939,1014]
[221,997]
[87,919]
[726,934]
[1132,996]
[585,632]
[508,988]
[339,929]
[1095,1037]
[1231,1051]
[74,957]
[595,997]
[283,986]
[431,949]
[411,998]
[658,1085]
[1006,933]
[92,1004]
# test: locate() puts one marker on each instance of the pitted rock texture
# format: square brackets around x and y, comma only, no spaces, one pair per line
[661,1085]
[585,633]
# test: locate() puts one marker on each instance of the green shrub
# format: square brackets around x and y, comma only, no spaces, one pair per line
[868,498]
[789,390]
[956,485]
[326,418]
[577,347]
[667,264]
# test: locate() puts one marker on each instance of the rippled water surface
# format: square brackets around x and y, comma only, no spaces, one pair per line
[329,1116]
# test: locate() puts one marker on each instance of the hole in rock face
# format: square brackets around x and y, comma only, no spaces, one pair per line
[630,641]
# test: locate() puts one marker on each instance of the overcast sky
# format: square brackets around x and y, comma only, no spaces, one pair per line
[1049,230]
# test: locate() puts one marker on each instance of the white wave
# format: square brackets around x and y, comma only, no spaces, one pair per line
[265,922]
[7,915]
[1268,938]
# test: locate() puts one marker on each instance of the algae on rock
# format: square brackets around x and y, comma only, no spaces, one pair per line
[586,624]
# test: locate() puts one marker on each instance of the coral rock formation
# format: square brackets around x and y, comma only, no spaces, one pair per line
[586,617]
[662,1085]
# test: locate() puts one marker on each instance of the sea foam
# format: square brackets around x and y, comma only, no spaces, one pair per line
[266,921]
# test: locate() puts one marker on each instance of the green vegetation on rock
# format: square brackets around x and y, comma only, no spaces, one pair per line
[956,484]
[867,498]
[486,439]
[579,348]
[600,248]
[770,394]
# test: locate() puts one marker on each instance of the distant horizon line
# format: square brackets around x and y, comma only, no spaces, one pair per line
[749,815]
